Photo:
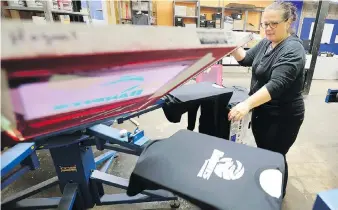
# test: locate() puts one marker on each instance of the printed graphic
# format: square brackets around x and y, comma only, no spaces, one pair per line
[128,93]
[63,95]
[223,167]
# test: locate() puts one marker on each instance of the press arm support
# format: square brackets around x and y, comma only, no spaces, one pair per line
[245,58]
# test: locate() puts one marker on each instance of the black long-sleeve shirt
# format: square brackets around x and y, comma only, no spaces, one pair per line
[281,71]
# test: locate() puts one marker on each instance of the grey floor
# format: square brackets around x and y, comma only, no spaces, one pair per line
[313,160]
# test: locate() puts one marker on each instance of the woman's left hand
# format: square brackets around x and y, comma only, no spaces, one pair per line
[239,111]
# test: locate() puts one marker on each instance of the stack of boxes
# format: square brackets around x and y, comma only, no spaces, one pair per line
[215,22]
[203,21]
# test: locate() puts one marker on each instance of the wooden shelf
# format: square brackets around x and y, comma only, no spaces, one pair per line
[40,9]
[65,12]
[186,1]
[210,7]
[32,9]
[182,16]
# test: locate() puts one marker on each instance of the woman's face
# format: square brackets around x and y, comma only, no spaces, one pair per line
[274,26]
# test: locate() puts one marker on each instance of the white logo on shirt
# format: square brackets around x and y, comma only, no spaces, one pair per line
[222,166]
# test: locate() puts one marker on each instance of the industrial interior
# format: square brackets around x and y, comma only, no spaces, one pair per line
[169,104]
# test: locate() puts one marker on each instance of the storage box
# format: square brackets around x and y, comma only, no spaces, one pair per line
[203,23]
[191,11]
[190,25]
[179,22]
[218,23]
[39,20]
[216,16]
[34,3]
[210,24]
[65,5]
[239,25]
[16,3]
[180,10]
[140,6]
[53,4]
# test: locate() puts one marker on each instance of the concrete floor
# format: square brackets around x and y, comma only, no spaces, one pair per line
[313,160]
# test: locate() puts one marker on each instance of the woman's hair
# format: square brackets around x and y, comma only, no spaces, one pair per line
[289,11]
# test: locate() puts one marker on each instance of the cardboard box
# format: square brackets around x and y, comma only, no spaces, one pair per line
[140,6]
[240,130]
[180,10]
[239,25]
[190,25]
[16,3]
[34,3]
[218,23]
[191,11]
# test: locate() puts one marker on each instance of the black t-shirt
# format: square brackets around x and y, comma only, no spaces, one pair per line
[281,71]
[210,172]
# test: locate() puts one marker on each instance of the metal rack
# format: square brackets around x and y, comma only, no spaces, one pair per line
[48,11]
[220,8]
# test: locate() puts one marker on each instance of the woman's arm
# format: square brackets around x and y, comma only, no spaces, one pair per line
[260,97]
[239,54]
[246,58]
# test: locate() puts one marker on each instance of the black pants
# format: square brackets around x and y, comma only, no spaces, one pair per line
[276,133]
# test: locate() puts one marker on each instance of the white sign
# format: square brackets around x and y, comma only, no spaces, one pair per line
[327,33]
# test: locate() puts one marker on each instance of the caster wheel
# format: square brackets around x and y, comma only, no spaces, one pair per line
[175,204]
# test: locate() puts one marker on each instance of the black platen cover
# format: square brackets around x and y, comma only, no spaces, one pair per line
[208,171]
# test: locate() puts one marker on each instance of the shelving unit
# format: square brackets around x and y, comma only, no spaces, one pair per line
[219,9]
[49,12]
[197,11]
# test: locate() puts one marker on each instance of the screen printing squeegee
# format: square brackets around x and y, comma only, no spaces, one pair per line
[56,76]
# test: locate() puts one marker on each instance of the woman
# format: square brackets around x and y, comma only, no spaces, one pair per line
[277,79]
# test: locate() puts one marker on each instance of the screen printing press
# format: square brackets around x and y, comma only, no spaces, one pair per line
[64,86]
